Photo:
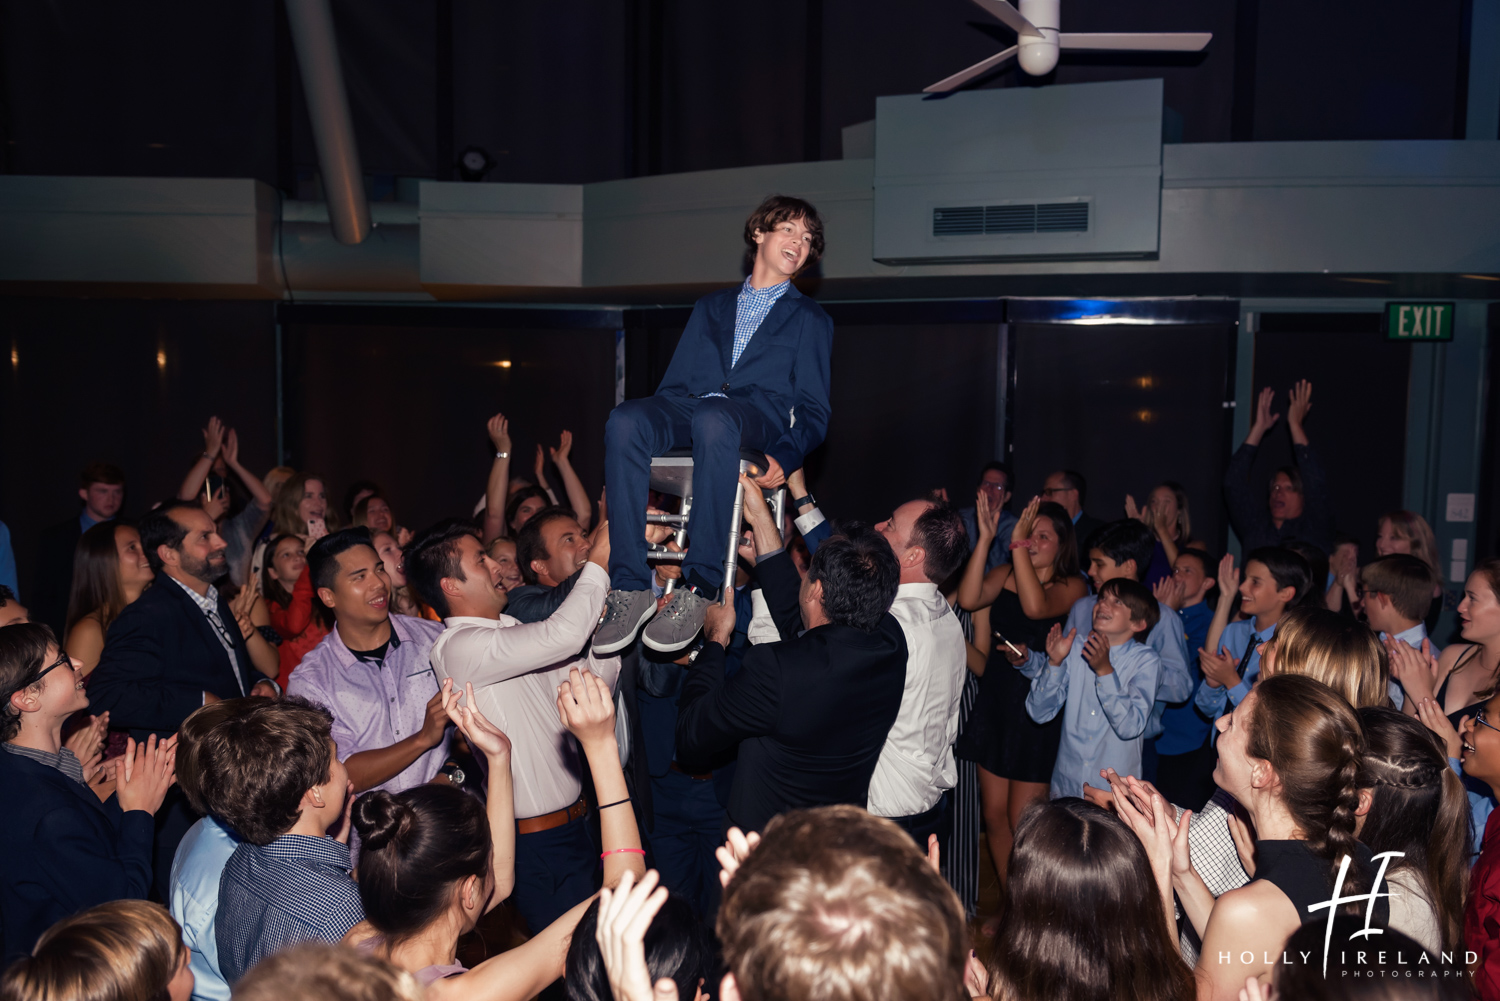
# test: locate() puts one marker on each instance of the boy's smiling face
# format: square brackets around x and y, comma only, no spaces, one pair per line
[1102,568]
[1112,618]
[1259,594]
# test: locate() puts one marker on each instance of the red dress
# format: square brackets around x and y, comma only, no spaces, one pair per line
[1482,914]
[299,630]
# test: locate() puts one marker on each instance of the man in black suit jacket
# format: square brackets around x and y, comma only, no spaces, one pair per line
[176,648]
[101,487]
[1068,488]
[810,714]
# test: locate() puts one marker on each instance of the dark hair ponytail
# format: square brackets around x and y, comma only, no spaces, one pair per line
[1310,734]
[414,846]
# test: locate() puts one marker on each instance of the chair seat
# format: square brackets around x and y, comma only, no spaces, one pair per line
[672,473]
[746,455]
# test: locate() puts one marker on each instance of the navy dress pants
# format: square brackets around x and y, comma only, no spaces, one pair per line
[554,870]
[716,428]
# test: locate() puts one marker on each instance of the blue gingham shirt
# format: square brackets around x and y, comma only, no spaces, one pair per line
[295,889]
[750,311]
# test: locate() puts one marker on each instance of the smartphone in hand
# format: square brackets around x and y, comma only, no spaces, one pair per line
[316,529]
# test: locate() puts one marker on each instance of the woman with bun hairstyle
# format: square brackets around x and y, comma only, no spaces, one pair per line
[125,949]
[433,862]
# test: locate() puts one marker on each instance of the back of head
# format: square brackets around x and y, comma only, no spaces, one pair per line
[675,950]
[323,557]
[199,724]
[23,650]
[838,905]
[1082,919]
[1138,598]
[158,528]
[1287,569]
[1406,580]
[940,532]
[1340,652]
[1364,969]
[1311,736]
[1066,563]
[255,767]
[1317,572]
[529,542]
[320,971]
[1414,529]
[96,575]
[1418,807]
[125,950]
[433,555]
[860,576]
[1125,540]
[414,846]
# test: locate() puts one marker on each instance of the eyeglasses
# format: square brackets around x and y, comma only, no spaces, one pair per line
[1049,491]
[63,660]
[1479,718]
[1284,488]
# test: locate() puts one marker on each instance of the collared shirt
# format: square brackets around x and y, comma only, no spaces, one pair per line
[295,889]
[377,703]
[751,308]
[1214,857]
[1413,638]
[1183,729]
[194,898]
[1236,638]
[515,668]
[1104,718]
[916,764]
[209,605]
[64,760]
[1166,638]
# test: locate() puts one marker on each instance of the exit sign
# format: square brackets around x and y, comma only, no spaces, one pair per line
[1419,321]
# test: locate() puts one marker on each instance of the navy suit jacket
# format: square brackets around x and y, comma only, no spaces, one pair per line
[61,850]
[160,656]
[783,372]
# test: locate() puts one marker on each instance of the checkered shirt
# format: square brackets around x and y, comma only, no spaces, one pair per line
[1214,856]
[750,311]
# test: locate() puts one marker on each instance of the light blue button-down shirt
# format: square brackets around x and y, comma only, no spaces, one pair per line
[1170,644]
[1104,718]
[1413,638]
[196,869]
[750,310]
[1236,638]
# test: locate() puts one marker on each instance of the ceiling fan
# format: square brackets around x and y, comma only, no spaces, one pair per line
[1039,41]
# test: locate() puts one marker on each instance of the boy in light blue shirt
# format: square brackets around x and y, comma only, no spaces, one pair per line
[1275,580]
[1104,683]
[1397,592]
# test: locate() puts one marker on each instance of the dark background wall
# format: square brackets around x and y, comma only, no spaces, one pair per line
[588,90]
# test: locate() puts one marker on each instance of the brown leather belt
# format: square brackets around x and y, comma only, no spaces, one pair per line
[703,777]
[547,821]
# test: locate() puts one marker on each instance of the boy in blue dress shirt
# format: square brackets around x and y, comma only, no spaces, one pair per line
[1107,680]
[1184,756]
[1397,591]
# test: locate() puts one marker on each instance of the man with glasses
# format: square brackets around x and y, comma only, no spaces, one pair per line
[1299,505]
[1068,488]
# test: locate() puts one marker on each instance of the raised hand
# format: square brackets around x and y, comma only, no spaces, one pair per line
[1022,531]
[1131,511]
[733,852]
[232,448]
[498,428]
[1229,578]
[240,607]
[586,708]
[1415,670]
[1433,718]
[1169,591]
[1059,645]
[1218,668]
[435,720]
[1264,419]
[625,915]
[564,446]
[87,745]
[757,511]
[774,476]
[540,468]
[1300,402]
[478,731]
[217,505]
[718,623]
[1146,813]
[986,517]
[1096,654]
[213,437]
[148,771]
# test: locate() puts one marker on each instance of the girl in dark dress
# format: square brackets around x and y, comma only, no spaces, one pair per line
[1026,597]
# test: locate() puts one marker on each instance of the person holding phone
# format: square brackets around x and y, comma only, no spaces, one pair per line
[301,509]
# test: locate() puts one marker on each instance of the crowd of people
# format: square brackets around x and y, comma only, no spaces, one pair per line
[259,744]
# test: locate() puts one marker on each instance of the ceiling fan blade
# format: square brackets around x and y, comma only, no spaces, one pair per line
[962,77]
[1009,16]
[1134,41]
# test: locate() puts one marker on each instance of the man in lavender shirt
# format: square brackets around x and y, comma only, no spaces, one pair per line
[373,671]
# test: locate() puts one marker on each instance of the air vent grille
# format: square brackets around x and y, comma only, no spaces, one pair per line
[1008,220]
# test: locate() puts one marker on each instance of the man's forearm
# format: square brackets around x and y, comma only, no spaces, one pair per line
[368,769]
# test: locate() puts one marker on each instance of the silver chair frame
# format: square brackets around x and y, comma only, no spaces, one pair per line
[673,475]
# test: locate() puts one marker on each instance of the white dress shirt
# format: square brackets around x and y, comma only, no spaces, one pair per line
[515,668]
[916,764]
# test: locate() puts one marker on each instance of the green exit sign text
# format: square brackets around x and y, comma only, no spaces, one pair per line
[1419,321]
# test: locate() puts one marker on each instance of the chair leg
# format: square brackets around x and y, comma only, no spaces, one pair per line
[680,537]
[731,557]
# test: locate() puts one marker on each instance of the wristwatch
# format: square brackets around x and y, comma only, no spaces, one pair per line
[455,774]
[806,499]
[502,455]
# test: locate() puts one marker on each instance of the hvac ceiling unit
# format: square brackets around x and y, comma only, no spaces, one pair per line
[1020,173]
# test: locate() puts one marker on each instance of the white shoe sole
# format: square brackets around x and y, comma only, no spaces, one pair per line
[629,638]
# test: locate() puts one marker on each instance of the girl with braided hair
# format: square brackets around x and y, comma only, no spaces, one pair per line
[1412,802]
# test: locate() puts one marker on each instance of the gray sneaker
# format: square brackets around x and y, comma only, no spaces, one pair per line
[680,620]
[624,613]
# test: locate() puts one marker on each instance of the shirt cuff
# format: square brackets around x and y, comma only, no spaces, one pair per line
[807,522]
[1238,692]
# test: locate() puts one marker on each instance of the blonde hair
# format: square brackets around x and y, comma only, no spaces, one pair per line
[284,507]
[321,971]
[125,950]
[1414,529]
[1341,653]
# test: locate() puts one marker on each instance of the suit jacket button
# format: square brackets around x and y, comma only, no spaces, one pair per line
[724,388]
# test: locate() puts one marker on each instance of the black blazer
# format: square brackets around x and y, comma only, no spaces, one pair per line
[160,656]
[810,714]
[61,850]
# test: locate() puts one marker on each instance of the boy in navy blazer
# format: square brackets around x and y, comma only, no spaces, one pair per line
[751,371]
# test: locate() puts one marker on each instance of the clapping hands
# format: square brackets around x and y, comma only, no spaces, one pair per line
[1059,645]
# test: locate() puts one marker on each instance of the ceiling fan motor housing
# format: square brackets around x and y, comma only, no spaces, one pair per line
[1038,55]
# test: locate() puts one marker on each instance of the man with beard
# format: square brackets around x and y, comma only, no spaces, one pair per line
[179,646]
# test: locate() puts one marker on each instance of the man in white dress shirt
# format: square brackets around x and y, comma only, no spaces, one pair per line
[515,668]
[916,766]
